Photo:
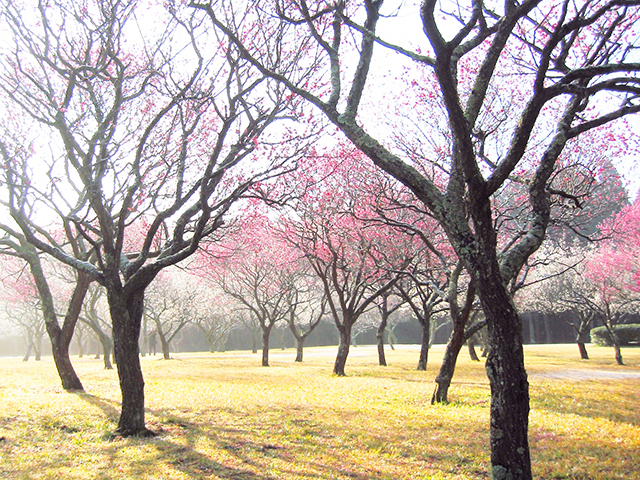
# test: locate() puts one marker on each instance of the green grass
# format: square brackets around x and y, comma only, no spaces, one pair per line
[223,416]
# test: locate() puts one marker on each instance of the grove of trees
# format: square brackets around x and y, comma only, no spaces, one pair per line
[303,161]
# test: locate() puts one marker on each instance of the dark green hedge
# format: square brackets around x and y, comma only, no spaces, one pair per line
[628,334]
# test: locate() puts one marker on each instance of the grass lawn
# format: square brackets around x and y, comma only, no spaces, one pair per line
[223,416]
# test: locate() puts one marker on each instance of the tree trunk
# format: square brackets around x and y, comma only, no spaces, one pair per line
[60,337]
[254,344]
[510,457]
[166,352]
[391,338]
[107,345]
[616,348]
[448,367]
[299,348]
[28,353]
[614,338]
[472,350]
[583,337]
[38,349]
[382,361]
[210,341]
[266,333]
[583,350]
[343,350]
[80,345]
[532,329]
[424,347]
[126,314]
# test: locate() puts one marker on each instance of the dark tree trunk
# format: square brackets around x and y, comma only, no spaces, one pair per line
[266,333]
[616,348]
[343,350]
[382,360]
[472,350]
[60,337]
[510,457]
[424,347]
[299,347]
[583,337]
[448,367]
[126,314]
[614,337]
[583,350]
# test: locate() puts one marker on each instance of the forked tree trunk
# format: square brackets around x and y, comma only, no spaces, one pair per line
[343,349]
[424,347]
[126,315]
[60,337]
[510,457]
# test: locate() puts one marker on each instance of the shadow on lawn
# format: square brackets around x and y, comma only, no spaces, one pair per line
[244,446]
[177,440]
[109,407]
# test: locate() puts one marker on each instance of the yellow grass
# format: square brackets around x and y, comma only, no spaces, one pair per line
[221,416]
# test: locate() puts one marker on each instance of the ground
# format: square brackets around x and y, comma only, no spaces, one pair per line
[222,416]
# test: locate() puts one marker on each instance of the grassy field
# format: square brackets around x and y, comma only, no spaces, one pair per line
[223,416]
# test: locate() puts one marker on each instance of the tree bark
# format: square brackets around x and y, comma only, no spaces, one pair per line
[448,367]
[583,350]
[510,457]
[382,360]
[107,347]
[266,333]
[299,348]
[60,337]
[616,348]
[343,350]
[126,314]
[472,350]
[424,347]
[166,353]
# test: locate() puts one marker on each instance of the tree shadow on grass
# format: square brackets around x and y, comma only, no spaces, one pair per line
[309,449]
[178,442]
[210,447]
[108,407]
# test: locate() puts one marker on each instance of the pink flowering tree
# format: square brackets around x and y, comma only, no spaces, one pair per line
[570,67]
[259,271]
[614,273]
[356,260]
[152,135]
